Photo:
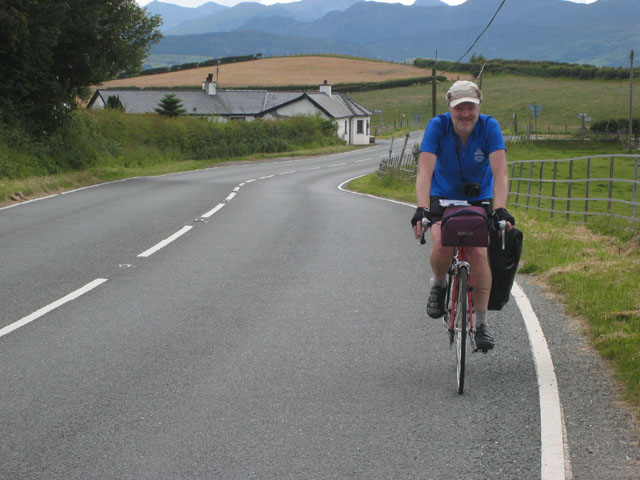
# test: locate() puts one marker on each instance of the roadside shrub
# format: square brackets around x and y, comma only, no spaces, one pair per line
[613,125]
[115,139]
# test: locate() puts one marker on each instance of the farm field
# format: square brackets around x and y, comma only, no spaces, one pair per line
[562,99]
[278,71]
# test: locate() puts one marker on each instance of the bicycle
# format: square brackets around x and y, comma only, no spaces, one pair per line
[458,316]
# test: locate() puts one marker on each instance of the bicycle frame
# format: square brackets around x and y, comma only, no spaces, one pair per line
[459,261]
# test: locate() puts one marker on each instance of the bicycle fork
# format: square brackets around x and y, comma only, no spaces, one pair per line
[449,317]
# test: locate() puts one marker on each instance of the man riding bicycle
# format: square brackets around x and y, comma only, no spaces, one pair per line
[462,157]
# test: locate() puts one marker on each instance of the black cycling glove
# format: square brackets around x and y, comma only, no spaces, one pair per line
[421,212]
[502,214]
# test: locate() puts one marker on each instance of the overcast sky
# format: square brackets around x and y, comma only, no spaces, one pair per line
[231,3]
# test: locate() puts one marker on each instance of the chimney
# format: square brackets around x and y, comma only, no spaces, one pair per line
[325,88]
[209,85]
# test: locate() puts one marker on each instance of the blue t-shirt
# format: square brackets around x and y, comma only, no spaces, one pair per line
[447,179]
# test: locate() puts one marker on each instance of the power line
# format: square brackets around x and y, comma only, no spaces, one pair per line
[478,38]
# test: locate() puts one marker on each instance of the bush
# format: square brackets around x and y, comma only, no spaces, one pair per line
[613,125]
[115,139]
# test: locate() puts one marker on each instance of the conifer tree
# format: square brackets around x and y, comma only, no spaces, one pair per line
[170,106]
[114,102]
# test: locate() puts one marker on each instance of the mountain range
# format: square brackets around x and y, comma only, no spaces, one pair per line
[600,33]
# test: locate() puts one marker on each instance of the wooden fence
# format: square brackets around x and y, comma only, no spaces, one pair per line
[578,188]
[404,162]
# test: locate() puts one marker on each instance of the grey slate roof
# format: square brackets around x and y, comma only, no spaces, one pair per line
[232,102]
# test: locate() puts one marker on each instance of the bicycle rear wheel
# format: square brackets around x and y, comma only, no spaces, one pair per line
[460,325]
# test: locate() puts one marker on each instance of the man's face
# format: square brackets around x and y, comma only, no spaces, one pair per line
[464,117]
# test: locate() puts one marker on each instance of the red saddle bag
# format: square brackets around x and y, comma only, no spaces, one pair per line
[466,226]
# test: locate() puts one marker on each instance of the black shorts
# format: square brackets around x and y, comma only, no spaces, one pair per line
[437,210]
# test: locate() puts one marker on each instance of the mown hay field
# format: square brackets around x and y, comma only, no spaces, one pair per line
[280,71]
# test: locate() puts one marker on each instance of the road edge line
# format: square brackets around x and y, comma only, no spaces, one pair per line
[554,463]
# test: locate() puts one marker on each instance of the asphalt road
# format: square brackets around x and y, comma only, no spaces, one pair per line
[281,336]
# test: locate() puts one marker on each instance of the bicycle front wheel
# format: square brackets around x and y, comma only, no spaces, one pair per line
[460,325]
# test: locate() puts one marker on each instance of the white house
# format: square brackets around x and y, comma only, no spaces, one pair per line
[352,119]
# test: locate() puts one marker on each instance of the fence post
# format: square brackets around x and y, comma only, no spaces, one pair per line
[569,188]
[540,185]
[553,187]
[610,183]
[519,180]
[586,194]
[513,172]
[635,191]
[529,185]
[404,147]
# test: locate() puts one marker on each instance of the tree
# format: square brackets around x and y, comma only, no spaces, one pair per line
[114,102]
[170,106]
[52,51]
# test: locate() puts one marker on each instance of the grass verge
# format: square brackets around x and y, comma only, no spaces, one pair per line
[17,190]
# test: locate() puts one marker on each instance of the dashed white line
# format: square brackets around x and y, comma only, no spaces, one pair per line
[230,197]
[268,176]
[213,210]
[165,242]
[287,173]
[336,165]
[237,189]
[52,306]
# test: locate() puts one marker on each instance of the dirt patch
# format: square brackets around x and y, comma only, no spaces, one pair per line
[282,71]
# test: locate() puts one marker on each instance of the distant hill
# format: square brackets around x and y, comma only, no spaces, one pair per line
[601,33]
[248,42]
[174,15]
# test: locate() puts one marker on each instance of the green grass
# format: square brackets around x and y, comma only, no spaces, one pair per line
[97,146]
[506,95]
[594,269]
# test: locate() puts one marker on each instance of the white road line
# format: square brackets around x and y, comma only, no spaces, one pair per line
[28,201]
[237,189]
[336,165]
[165,242]
[230,197]
[268,176]
[363,160]
[52,306]
[213,210]
[287,173]
[552,460]
[250,181]
[554,464]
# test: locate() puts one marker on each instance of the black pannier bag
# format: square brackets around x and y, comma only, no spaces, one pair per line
[504,265]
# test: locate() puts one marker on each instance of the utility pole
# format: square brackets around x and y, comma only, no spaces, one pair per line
[434,108]
[630,137]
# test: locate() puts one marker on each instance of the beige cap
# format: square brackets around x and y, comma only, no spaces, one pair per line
[463,91]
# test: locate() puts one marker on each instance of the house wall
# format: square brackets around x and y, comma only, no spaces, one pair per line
[301,107]
[359,131]
[98,103]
